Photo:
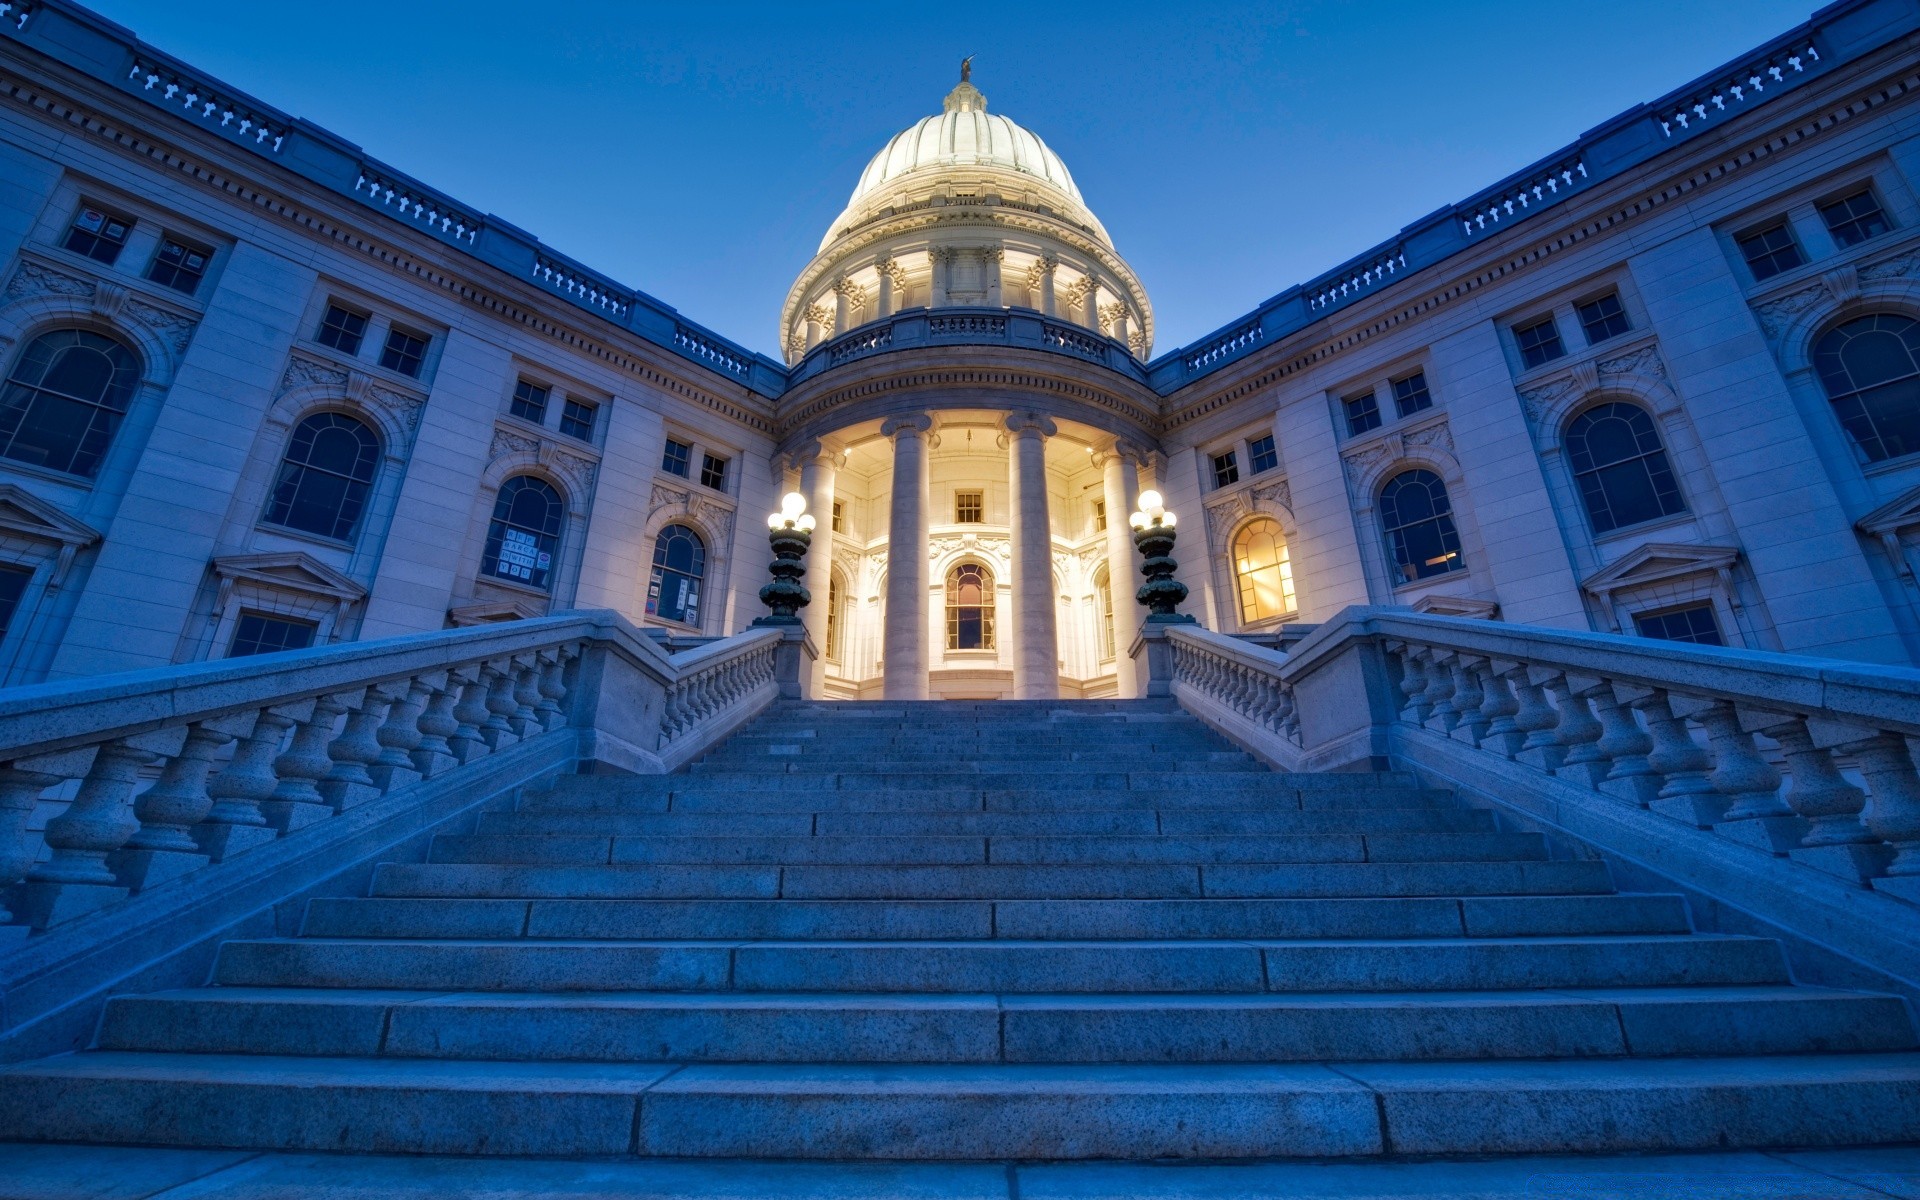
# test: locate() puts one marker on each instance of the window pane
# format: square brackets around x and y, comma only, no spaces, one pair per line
[13,584]
[1770,251]
[1264,571]
[577,419]
[65,400]
[1854,219]
[969,608]
[1417,516]
[713,473]
[325,476]
[1603,318]
[178,266]
[343,329]
[403,352]
[1871,372]
[1695,623]
[258,633]
[1621,468]
[1363,413]
[1261,455]
[98,234]
[1410,395]
[524,534]
[677,458]
[529,402]
[1539,342]
[969,507]
[679,565]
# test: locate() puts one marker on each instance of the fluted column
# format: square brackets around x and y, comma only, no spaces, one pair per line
[840,305]
[1036,642]
[884,302]
[1044,270]
[906,632]
[1120,473]
[819,470]
[1090,314]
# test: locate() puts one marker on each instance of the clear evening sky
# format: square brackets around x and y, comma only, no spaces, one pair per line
[699,151]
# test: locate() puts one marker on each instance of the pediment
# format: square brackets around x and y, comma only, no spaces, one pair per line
[27,515]
[1902,512]
[292,570]
[1657,561]
[491,612]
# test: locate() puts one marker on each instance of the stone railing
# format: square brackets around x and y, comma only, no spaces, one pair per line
[158,774]
[1018,328]
[1805,760]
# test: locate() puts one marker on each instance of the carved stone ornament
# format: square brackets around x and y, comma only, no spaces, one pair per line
[576,470]
[1641,363]
[1436,435]
[1776,315]
[1224,514]
[405,409]
[109,300]
[666,497]
[305,372]
[1361,463]
[1275,494]
[35,279]
[505,443]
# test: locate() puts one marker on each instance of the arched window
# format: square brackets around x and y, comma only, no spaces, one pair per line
[525,532]
[1870,367]
[1264,571]
[679,564]
[1103,594]
[65,399]
[836,620]
[1621,467]
[969,608]
[325,476]
[1418,520]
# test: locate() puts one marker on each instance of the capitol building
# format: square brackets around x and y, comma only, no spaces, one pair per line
[264,392]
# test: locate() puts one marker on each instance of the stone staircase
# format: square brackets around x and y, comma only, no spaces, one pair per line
[988,931]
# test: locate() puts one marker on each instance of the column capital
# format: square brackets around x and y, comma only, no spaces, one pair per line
[1029,422]
[907,423]
[1123,450]
[813,450]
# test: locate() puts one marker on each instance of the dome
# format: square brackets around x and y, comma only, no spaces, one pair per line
[965,135]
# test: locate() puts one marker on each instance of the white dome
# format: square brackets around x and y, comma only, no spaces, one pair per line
[964,136]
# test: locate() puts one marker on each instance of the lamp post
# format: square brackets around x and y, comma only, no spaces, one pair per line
[1153,535]
[790,531]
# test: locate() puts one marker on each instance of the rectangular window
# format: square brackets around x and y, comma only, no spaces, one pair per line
[178,266]
[1854,219]
[577,419]
[98,234]
[678,459]
[1538,342]
[713,473]
[969,508]
[258,633]
[13,584]
[343,329]
[839,517]
[1100,516]
[1602,318]
[1363,413]
[529,402]
[1226,469]
[1262,454]
[1694,623]
[1410,395]
[1770,251]
[403,351]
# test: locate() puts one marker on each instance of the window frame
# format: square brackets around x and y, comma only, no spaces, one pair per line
[1262,447]
[1605,320]
[490,552]
[1599,472]
[365,486]
[1847,242]
[570,422]
[680,466]
[1706,606]
[524,390]
[155,264]
[419,356]
[1244,581]
[984,610]
[328,331]
[969,498]
[109,214]
[1532,353]
[1362,412]
[1444,520]
[1224,468]
[1424,392]
[1759,229]
[660,567]
[715,470]
[99,413]
[264,618]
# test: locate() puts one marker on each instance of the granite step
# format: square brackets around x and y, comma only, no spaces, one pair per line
[1002,965]
[691,796]
[963,1111]
[991,881]
[970,1027]
[353,917]
[989,824]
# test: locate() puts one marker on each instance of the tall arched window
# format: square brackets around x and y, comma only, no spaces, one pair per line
[1264,571]
[1870,367]
[1621,467]
[836,620]
[1417,517]
[524,535]
[64,400]
[679,564]
[325,476]
[1103,595]
[969,608]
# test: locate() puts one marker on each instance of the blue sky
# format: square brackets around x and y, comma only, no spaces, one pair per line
[699,151]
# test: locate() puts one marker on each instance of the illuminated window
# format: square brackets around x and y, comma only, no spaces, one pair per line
[969,608]
[1417,517]
[1264,572]
[969,508]
[1103,592]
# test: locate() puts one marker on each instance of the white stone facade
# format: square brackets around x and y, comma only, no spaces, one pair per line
[1007,415]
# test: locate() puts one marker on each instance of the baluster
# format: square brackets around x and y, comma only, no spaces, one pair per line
[1687,795]
[670,713]
[1619,753]
[469,740]
[394,768]
[235,824]
[552,689]
[433,754]
[297,802]
[75,879]
[357,748]
[163,847]
[1466,724]
[1534,718]
[1756,815]
[1413,685]
[500,704]
[1893,816]
[1439,694]
[21,782]
[526,696]
[1835,842]
[1502,736]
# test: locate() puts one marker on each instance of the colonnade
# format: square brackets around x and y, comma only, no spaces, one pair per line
[1033,639]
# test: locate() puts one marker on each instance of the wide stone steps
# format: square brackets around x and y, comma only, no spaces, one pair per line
[988,932]
[1014,1028]
[962,1110]
[1003,964]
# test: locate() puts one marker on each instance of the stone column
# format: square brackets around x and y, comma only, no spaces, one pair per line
[905,677]
[819,467]
[1047,302]
[840,298]
[883,307]
[1090,317]
[990,260]
[942,259]
[1036,642]
[1120,471]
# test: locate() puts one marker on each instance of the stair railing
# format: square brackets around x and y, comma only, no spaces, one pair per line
[150,776]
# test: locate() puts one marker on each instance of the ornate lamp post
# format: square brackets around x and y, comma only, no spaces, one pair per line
[1153,535]
[790,531]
